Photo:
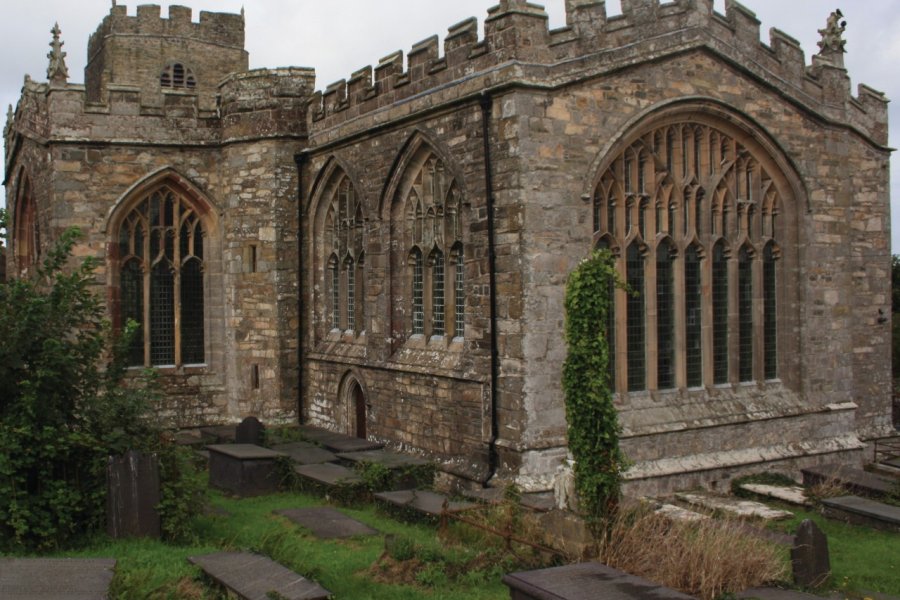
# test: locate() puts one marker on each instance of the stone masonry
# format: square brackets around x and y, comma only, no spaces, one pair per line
[388,257]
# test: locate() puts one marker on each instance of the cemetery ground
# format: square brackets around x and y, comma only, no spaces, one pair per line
[418,561]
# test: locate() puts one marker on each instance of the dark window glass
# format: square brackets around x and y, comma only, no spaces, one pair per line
[437,294]
[131,296]
[770,327]
[418,293]
[192,313]
[745,315]
[693,318]
[635,320]
[665,319]
[162,315]
[720,315]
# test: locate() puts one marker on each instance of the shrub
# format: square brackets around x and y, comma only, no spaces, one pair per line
[65,409]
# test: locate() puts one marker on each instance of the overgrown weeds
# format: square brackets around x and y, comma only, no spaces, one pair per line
[707,559]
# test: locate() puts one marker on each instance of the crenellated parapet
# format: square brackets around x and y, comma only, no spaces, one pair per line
[265,103]
[518,48]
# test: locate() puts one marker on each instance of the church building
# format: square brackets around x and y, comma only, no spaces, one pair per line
[387,256]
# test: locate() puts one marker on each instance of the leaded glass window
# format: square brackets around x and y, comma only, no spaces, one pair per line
[343,237]
[711,196]
[635,332]
[418,293]
[459,294]
[161,258]
[437,293]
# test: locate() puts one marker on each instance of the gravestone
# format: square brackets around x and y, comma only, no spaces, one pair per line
[809,556]
[133,494]
[250,431]
[243,469]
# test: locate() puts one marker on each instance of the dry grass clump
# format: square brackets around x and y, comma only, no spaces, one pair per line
[706,559]
[829,488]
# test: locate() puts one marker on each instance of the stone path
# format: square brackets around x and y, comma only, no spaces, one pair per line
[428,503]
[255,577]
[790,494]
[55,578]
[327,523]
[733,506]
[586,581]
[863,511]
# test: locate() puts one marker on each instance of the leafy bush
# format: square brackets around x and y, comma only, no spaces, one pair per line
[592,418]
[65,408]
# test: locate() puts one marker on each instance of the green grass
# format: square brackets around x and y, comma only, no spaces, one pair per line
[862,559]
[152,569]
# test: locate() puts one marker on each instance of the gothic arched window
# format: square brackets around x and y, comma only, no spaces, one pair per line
[26,234]
[697,212]
[176,75]
[343,237]
[427,225]
[161,280]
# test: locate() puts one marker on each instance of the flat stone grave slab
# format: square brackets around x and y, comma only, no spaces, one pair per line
[426,502]
[776,594]
[586,581]
[55,578]
[337,442]
[243,469]
[677,513]
[256,577]
[306,453]
[328,474]
[734,507]
[852,478]
[863,511]
[327,523]
[790,494]
[387,458]
[220,434]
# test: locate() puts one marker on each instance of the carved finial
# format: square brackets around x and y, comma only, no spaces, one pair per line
[832,45]
[10,117]
[114,3]
[57,71]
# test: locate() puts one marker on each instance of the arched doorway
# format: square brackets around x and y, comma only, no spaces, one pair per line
[358,399]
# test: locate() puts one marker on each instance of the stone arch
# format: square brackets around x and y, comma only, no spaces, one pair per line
[26,235]
[353,404]
[424,183]
[193,260]
[726,179]
[339,231]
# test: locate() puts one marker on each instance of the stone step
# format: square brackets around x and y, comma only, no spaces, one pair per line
[387,458]
[733,506]
[327,523]
[789,494]
[255,577]
[336,442]
[863,511]
[329,474]
[427,503]
[55,578]
[306,453]
[853,479]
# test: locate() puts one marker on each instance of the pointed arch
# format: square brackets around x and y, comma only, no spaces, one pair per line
[164,251]
[26,234]
[337,228]
[424,203]
[718,181]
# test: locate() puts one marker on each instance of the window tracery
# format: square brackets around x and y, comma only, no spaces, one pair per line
[696,214]
[344,258]
[176,75]
[161,280]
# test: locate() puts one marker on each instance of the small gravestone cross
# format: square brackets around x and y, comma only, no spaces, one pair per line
[809,556]
[250,431]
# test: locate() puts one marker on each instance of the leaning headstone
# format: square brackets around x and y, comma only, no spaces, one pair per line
[809,556]
[133,494]
[250,431]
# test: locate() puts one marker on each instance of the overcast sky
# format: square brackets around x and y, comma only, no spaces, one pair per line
[339,37]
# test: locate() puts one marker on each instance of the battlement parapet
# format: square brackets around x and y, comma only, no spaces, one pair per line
[266,102]
[218,28]
[591,43]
